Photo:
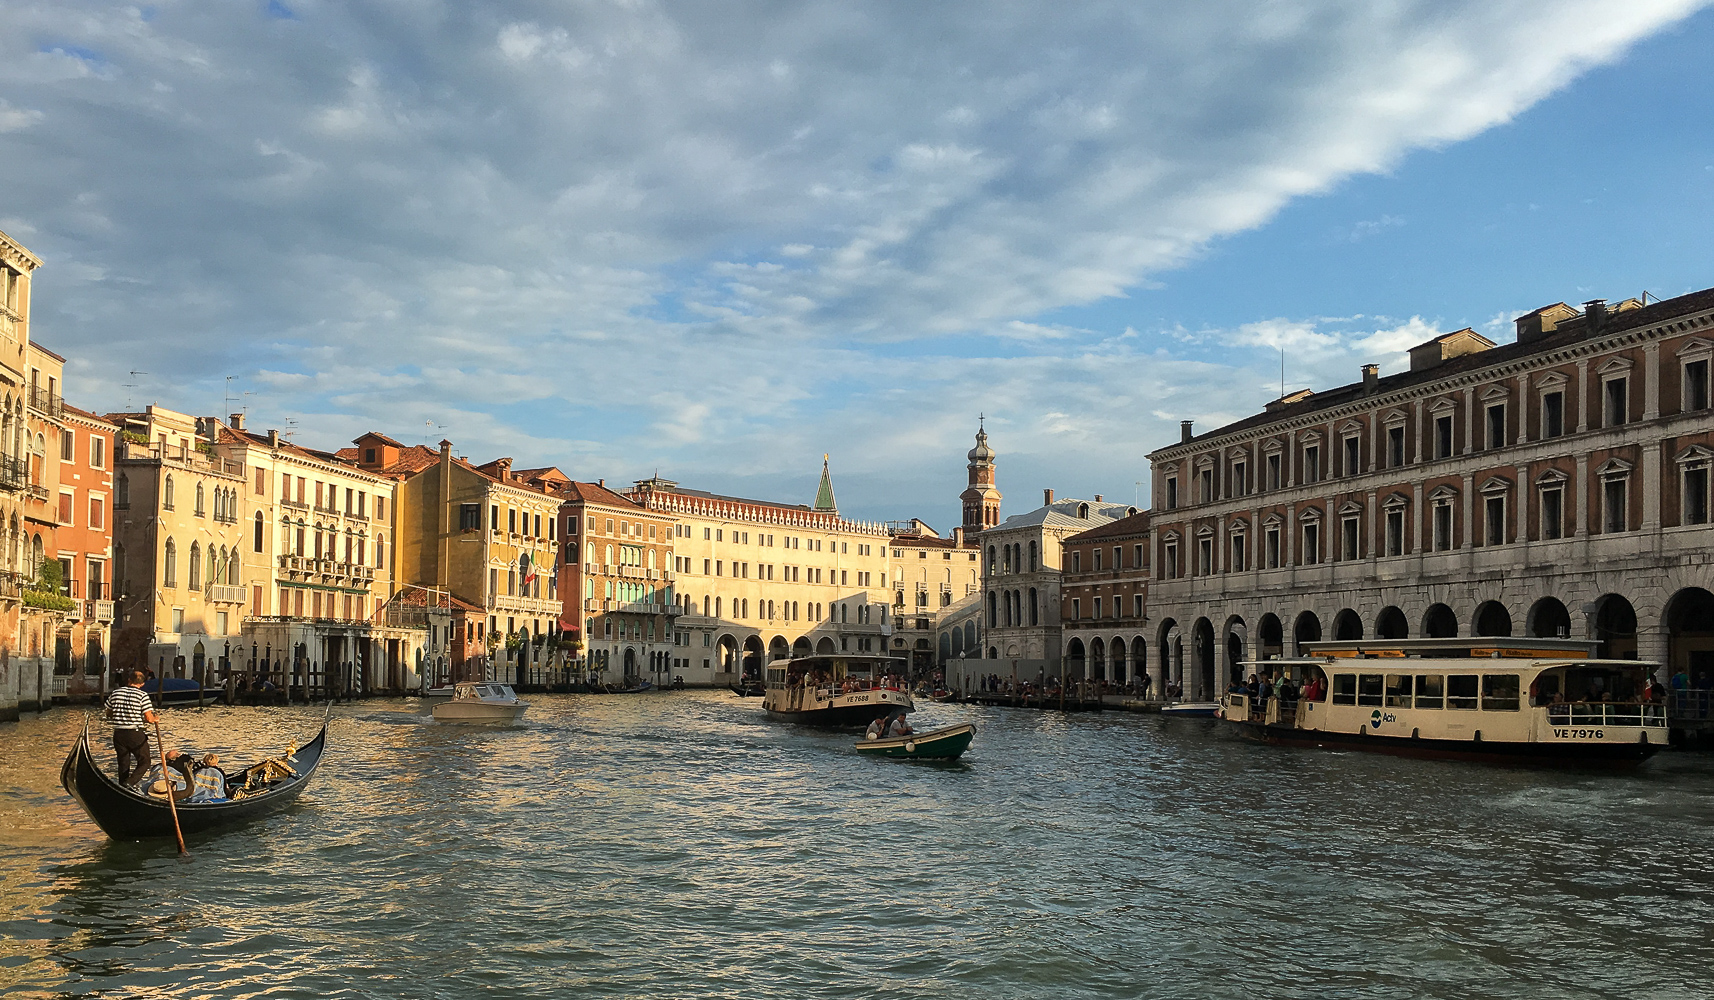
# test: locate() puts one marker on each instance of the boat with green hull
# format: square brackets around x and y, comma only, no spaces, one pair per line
[941,744]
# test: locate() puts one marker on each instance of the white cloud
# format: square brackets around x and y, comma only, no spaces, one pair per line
[714,238]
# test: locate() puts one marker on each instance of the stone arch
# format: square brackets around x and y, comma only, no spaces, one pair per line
[801,646]
[1169,653]
[779,648]
[1116,660]
[1347,624]
[1614,626]
[1270,637]
[1391,624]
[824,647]
[1548,618]
[1438,622]
[753,656]
[1139,662]
[726,654]
[1491,618]
[1689,621]
[1306,629]
[1236,639]
[1202,647]
[1074,657]
[1095,668]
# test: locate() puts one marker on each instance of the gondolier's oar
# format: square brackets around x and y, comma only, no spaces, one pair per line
[167,777]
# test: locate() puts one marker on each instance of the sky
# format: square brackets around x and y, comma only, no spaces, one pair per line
[717,241]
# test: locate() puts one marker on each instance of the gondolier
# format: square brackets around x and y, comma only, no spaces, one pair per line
[130,712]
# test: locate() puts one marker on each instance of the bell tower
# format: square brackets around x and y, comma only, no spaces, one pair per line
[982,499]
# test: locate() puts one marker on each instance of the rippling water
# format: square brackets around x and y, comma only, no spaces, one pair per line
[677,845]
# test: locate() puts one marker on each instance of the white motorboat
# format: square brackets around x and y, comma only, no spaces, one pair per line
[473,701]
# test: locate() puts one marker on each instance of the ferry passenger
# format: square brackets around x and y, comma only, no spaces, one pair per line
[876,728]
[900,727]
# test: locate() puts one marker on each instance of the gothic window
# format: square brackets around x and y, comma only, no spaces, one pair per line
[167,493]
[199,511]
[195,566]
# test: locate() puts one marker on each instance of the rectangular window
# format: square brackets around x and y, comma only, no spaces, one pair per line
[469,517]
[1442,527]
[1617,409]
[1496,426]
[68,446]
[1137,557]
[1273,472]
[1076,609]
[1614,495]
[1398,691]
[65,508]
[1311,544]
[1552,513]
[97,518]
[1240,479]
[1369,689]
[1348,536]
[1395,447]
[1494,509]
[1170,570]
[1696,385]
[1204,556]
[1239,563]
[1344,689]
[1396,532]
[1312,464]
[1430,691]
[1097,605]
[1443,437]
[1500,692]
[1696,495]
[1205,480]
[1353,456]
[1553,415]
[511,520]
[1461,692]
[1136,605]
[1272,543]
[1171,493]
[178,621]
[719,567]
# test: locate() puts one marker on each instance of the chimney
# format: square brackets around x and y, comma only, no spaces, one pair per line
[445,452]
[1371,378]
[505,467]
[601,483]
[237,422]
[1097,498]
[958,537]
[1047,498]
[273,438]
[1184,430]
[1595,316]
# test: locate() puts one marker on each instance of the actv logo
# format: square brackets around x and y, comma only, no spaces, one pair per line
[1377,717]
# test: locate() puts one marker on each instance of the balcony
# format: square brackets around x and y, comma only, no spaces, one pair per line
[14,474]
[98,611]
[45,401]
[224,594]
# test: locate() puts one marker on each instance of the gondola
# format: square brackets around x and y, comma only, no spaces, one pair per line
[124,814]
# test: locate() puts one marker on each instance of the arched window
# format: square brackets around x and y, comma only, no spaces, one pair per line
[259,529]
[651,558]
[36,556]
[609,559]
[233,562]
[199,508]
[195,566]
[170,565]
[167,493]
[380,551]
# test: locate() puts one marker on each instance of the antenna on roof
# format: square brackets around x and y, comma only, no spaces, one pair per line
[132,385]
[1282,371]
[226,404]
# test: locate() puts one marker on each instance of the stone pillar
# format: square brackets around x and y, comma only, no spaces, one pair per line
[1523,411]
[1523,505]
[1651,380]
[1582,396]
[1469,420]
[1650,472]
[1580,526]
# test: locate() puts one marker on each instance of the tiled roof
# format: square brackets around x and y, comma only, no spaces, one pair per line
[377,435]
[932,542]
[1137,525]
[417,596]
[229,435]
[1063,513]
[86,415]
[705,495]
[596,493]
[1568,332]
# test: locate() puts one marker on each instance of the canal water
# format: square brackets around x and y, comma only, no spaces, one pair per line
[676,845]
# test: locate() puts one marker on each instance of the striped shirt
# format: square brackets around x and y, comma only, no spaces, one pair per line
[125,707]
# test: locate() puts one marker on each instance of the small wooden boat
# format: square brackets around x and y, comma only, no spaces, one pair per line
[753,689]
[473,702]
[940,744]
[128,814]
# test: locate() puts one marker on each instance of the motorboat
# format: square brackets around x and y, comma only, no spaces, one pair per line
[474,701]
[1191,709]
[835,690]
[939,744]
[1493,699]
[439,691]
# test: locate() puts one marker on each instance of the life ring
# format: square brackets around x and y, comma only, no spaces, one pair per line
[910,746]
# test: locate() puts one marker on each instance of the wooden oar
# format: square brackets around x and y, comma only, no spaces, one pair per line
[166,776]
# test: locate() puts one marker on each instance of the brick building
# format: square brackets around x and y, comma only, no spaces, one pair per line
[616,585]
[1104,601]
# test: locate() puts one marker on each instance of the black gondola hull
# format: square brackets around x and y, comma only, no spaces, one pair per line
[127,815]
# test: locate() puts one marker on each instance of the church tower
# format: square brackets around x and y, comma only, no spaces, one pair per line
[982,499]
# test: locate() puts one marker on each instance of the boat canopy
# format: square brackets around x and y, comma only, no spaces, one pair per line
[1473,647]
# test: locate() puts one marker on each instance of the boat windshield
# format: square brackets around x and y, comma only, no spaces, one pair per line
[1589,684]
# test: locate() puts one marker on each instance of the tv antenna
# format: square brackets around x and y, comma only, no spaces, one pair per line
[132,385]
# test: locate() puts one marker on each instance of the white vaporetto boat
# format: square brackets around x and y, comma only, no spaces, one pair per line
[1496,699]
[473,701]
[836,690]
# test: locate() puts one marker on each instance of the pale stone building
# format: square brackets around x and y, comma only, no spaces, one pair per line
[1557,485]
[616,585]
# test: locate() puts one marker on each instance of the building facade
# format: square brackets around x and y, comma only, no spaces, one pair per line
[1557,485]
[758,580]
[935,581]
[616,585]
[1104,602]
[83,544]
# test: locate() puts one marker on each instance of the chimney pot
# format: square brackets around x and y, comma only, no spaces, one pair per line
[958,537]
[273,438]
[1371,377]
[1184,430]
[237,421]
[1047,498]
[1595,316]
[1097,498]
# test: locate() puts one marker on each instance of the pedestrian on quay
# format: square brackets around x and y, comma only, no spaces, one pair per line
[130,712]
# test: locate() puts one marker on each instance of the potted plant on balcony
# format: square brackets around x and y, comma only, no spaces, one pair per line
[45,592]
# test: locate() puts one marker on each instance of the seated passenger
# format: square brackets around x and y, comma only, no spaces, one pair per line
[208,780]
[876,729]
[900,727]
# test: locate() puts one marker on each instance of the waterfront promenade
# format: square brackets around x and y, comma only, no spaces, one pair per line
[680,846]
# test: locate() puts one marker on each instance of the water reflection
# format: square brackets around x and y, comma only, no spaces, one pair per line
[678,845]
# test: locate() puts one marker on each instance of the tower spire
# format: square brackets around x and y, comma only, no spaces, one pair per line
[824,494]
[982,500]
